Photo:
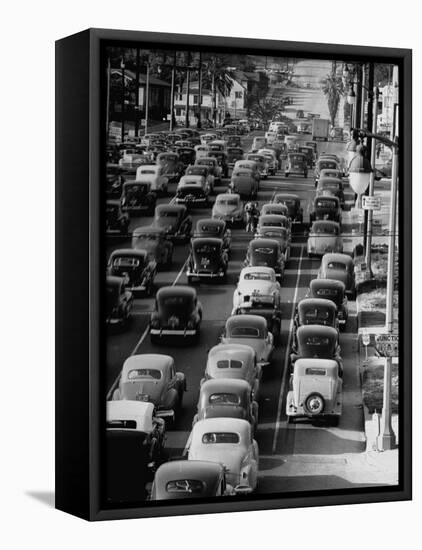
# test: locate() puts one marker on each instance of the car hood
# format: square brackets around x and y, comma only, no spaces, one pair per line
[152,388]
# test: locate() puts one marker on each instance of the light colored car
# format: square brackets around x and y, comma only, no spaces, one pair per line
[271,158]
[229,208]
[261,162]
[201,151]
[228,441]
[134,416]
[206,138]
[234,361]
[258,143]
[270,136]
[257,281]
[274,208]
[250,330]
[316,390]
[152,378]
[324,236]
[339,267]
[153,174]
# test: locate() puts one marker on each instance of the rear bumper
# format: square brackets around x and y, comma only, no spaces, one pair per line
[173,332]
[204,275]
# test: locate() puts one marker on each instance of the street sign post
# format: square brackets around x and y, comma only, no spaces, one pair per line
[387,344]
[371,203]
[366,340]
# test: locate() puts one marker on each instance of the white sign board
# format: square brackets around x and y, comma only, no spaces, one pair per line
[371,203]
[387,344]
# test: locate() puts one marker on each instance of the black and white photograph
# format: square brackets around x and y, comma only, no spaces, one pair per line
[251,265]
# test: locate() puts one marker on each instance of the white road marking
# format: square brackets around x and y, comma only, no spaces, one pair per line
[286,357]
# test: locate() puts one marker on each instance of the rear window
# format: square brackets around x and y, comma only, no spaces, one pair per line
[147,172]
[257,276]
[315,372]
[337,265]
[224,399]
[220,437]
[229,364]
[245,332]
[214,229]
[324,292]
[184,486]
[125,262]
[168,214]
[136,374]
[324,203]
[317,341]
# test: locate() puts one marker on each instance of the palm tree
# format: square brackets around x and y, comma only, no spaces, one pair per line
[265,110]
[219,77]
[333,89]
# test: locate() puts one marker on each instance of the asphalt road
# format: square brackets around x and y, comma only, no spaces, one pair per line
[277,441]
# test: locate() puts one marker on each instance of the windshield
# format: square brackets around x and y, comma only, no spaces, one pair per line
[316,315]
[149,374]
[319,229]
[330,293]
[327,164]
[317,341]
[220,437]
[147,237]
[227,202]
[210,229]
[224,399]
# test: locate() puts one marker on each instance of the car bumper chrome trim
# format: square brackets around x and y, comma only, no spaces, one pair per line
[166,332]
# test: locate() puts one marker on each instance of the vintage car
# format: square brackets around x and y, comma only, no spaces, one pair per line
[229,208]
[172,168]
[255,304]
[228,441]
[250,330]
[119,301]
[266,253]
[258,143]
[227,399]
[217,145]
[277,209]
[154,240]
[312,144]
[244,183]
[326,208]
[214,169]
[309,154]
[221,158]
[234,141]
[195,170]
[136,266]
[183,143]
[137,197]
[341,268]
[324,236]
[273,220]
[250,165]
[233,155]
[234,361]
[177,312]
[261,163]
[293,204]
[316,390]
[186,155]
[210,227]
[148,139]
[330,289]
[134,448]
[116,220]
[316,311]
[324,164]
[208,259]
[271,160]
[327,187]
[257,282]
[280,234]
[201,151]
[152,378]
[154,175]
[297,163]
[175,221]
[206,138]
[114,180]
[192,191]
[190,479]
[131,162]
[330,173]
[316,341]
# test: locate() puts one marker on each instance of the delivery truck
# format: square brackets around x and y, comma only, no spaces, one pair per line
[320,129]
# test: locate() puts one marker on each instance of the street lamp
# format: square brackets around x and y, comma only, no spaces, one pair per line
[122,68]
[351,96]
[360,170]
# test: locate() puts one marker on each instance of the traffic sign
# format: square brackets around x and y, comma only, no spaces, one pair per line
[366,339]
[387,344]
[371,203]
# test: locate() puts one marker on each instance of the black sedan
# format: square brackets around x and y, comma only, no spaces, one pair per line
[207,260]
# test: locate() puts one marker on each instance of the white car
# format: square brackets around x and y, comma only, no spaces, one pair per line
[257,281]
[228,441]
[250,330]
[153,174]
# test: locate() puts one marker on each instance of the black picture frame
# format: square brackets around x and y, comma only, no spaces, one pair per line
[79,268]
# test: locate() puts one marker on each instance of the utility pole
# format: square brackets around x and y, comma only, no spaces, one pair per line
[172,90]
[122,68]
[147,99]
[368,141]
[137,78]
[108,98]
[387,439]
[199,91]
[187,92]
[368,247]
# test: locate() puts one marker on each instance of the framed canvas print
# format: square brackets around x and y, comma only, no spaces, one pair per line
[233,274]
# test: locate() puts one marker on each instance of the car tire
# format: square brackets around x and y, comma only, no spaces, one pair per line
[314,404]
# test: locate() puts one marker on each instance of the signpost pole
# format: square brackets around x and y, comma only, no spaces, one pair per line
[368,246]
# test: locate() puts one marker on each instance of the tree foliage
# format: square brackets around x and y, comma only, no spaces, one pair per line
[333,89]
[265,110]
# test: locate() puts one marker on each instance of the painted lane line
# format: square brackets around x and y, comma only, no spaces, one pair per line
[286,357]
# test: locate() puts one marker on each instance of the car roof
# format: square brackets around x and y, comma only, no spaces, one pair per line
[139,253]
[227,196]
[113,202]
[242,320]
[149,167]
[191,178]
[337,257]
[260,243]
[223,385]
[286,196]
[272,217]
[237,425]
[325,223]
[146,360]
[320,330]
[203,159]
[170,208]
[196,241]
[316,302]
[327,283]
[176,290]
[148,229]
[210,221]
[139,411]
[329,179]
[230,351]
